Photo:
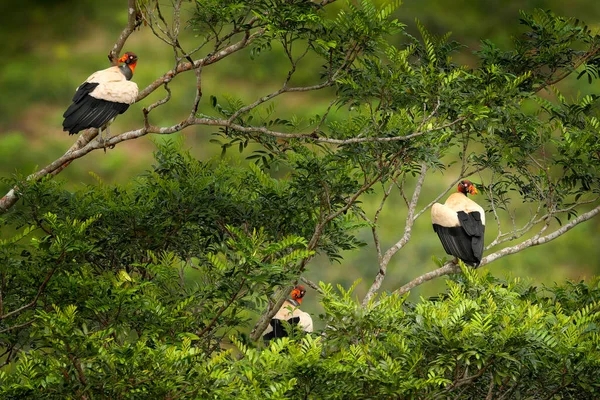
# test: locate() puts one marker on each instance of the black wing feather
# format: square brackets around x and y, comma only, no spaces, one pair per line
[279,330]
[89,112]
[464,241]
[471,223]
[83,90]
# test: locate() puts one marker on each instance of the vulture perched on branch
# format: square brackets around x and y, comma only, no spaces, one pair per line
[460,225]
[290,313]
[103,96]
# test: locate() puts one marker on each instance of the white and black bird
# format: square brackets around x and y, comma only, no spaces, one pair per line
[460,224]
[103,96]
[291,313]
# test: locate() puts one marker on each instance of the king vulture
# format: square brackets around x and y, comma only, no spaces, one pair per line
[460,225]
[290,313]
[103,96]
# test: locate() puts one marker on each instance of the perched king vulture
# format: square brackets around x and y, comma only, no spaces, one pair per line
[460,224]
[289,312]
[103,96]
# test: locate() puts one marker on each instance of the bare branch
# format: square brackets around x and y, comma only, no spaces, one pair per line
[452,268]
[146,110]
[446,269]
[133,21]
[311,284]
[410,219]
[386,194]
[516,232]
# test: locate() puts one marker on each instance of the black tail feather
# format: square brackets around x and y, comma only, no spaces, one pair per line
[459,244]
[90,112]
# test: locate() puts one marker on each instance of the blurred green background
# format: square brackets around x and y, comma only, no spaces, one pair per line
[50,47]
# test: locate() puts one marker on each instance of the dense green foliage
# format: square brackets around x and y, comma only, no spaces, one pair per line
[130,291]
[130,323]
[150,289]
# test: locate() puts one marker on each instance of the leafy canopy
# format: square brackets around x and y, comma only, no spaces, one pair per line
[144,290]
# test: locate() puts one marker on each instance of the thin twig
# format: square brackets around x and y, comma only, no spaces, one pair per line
[570,70]
[311,284]
[33,302]
[10,328]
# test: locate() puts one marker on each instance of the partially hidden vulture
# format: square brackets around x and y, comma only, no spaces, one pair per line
[291,313]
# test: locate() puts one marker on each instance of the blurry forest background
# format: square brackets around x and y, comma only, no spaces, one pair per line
[49,47]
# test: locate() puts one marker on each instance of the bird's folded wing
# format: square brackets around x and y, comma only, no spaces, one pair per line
[471,223]
[305,321]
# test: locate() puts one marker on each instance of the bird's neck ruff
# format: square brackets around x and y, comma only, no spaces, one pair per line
[127,70]
[132,66]
[294,302]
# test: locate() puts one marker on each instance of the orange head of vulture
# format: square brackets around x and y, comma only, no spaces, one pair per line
[466,187]
[298,293]
[130,59]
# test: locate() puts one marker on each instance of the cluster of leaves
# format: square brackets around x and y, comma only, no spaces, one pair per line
[131,291]
[482,336]
[410,103]
[491,108]
[188,250]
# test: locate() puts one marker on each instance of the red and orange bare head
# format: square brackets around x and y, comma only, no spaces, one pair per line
[298,293]
[130,59]
[467,187]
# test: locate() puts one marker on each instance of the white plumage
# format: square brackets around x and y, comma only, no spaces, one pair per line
[460,225]
[291,313]
[104,95]
[446,214]
[113,86]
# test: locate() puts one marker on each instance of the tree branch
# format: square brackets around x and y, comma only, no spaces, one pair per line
[208,60]
[133,21]
[408,225]
[33,302]
[569,71]
[452,268]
